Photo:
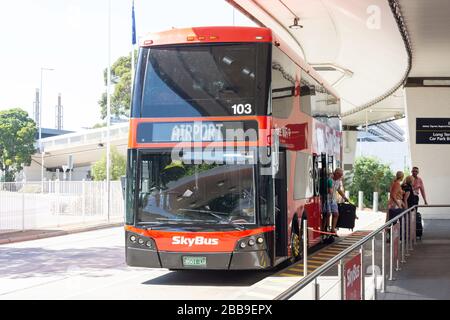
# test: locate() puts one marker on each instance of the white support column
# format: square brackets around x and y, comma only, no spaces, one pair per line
[432,159]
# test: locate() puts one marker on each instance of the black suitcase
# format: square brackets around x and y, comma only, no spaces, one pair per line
[347,215]
[419,226]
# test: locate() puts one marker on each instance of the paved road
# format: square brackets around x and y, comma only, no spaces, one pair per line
[91,265]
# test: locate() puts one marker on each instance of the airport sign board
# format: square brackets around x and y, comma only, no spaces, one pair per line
[433,131]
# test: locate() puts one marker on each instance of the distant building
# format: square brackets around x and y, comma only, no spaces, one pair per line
[383,132]
[385,141]
[85,147]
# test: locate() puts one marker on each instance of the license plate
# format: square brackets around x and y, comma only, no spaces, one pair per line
[194,261]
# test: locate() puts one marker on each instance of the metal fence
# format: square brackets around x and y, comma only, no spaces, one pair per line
[323,283]
[36,205]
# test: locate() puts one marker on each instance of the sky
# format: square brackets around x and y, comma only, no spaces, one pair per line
[70,36]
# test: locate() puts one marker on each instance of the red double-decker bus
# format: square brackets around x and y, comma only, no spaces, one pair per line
[232,137]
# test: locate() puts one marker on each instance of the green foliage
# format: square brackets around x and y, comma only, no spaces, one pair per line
[17,138]
[369,176]
[99,125]
[121,79]
[117,169]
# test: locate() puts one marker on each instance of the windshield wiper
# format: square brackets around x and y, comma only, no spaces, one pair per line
[216,214]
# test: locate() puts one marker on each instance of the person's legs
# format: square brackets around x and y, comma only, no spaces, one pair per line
[335,220]
[335,212]
[326,221]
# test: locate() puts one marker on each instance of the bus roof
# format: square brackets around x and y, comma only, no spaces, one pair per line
[207,34]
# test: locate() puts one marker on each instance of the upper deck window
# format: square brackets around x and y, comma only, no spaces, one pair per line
[204,80]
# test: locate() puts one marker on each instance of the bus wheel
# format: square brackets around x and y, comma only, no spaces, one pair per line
[295,246]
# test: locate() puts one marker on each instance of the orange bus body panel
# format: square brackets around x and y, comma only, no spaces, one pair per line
[226,240]
[207,35]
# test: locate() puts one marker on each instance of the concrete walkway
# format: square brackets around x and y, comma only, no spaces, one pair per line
[27,235]
[426,275]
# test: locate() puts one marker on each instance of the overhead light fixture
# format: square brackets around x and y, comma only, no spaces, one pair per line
[296,25]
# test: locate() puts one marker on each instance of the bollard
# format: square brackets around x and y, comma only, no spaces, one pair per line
[375,202]
[360,200]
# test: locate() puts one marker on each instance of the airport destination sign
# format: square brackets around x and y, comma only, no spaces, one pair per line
[433,130]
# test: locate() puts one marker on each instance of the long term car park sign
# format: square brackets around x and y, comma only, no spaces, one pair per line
[433,130]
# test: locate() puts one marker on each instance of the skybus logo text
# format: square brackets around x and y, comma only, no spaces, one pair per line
[198,241]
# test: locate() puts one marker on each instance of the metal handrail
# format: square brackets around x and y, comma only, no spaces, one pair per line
[331,263]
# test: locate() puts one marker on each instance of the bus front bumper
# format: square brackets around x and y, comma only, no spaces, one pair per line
[250,260]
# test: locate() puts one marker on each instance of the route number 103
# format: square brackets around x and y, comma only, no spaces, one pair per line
[242,108]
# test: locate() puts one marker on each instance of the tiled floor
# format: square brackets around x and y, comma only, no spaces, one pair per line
[426,275]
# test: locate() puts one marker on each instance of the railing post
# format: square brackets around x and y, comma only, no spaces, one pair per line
[412,228]
[403,238]
[341,279]
[374,276]
[305,247]
[316,290]
[407,226]
[360,200]
[375,202]
[391,252]
[23,211]
[83,198]
[383,260]
[363,274]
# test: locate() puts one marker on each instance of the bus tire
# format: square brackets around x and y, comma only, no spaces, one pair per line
[296,242]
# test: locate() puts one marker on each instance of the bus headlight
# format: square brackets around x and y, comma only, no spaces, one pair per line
[139,241]
[251,243]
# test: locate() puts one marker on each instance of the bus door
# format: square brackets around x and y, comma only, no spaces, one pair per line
[323,178]
[281,223]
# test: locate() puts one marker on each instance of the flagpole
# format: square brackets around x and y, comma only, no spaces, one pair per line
[108,114]
[133,43]
[132,68]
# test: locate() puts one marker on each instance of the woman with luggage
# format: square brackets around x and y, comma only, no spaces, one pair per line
[396,203]
[407,187]
[334,188]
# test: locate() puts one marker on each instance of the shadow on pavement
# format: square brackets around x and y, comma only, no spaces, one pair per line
[210,278]
[21,263]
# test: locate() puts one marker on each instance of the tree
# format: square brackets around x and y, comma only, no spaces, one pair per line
[117,169]
[17,139]
[369,176]
[121,79]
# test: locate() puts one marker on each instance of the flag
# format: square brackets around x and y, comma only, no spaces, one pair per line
[133,22]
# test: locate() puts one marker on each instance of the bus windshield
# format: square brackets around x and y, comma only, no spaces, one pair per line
[184,191]
[204,80]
